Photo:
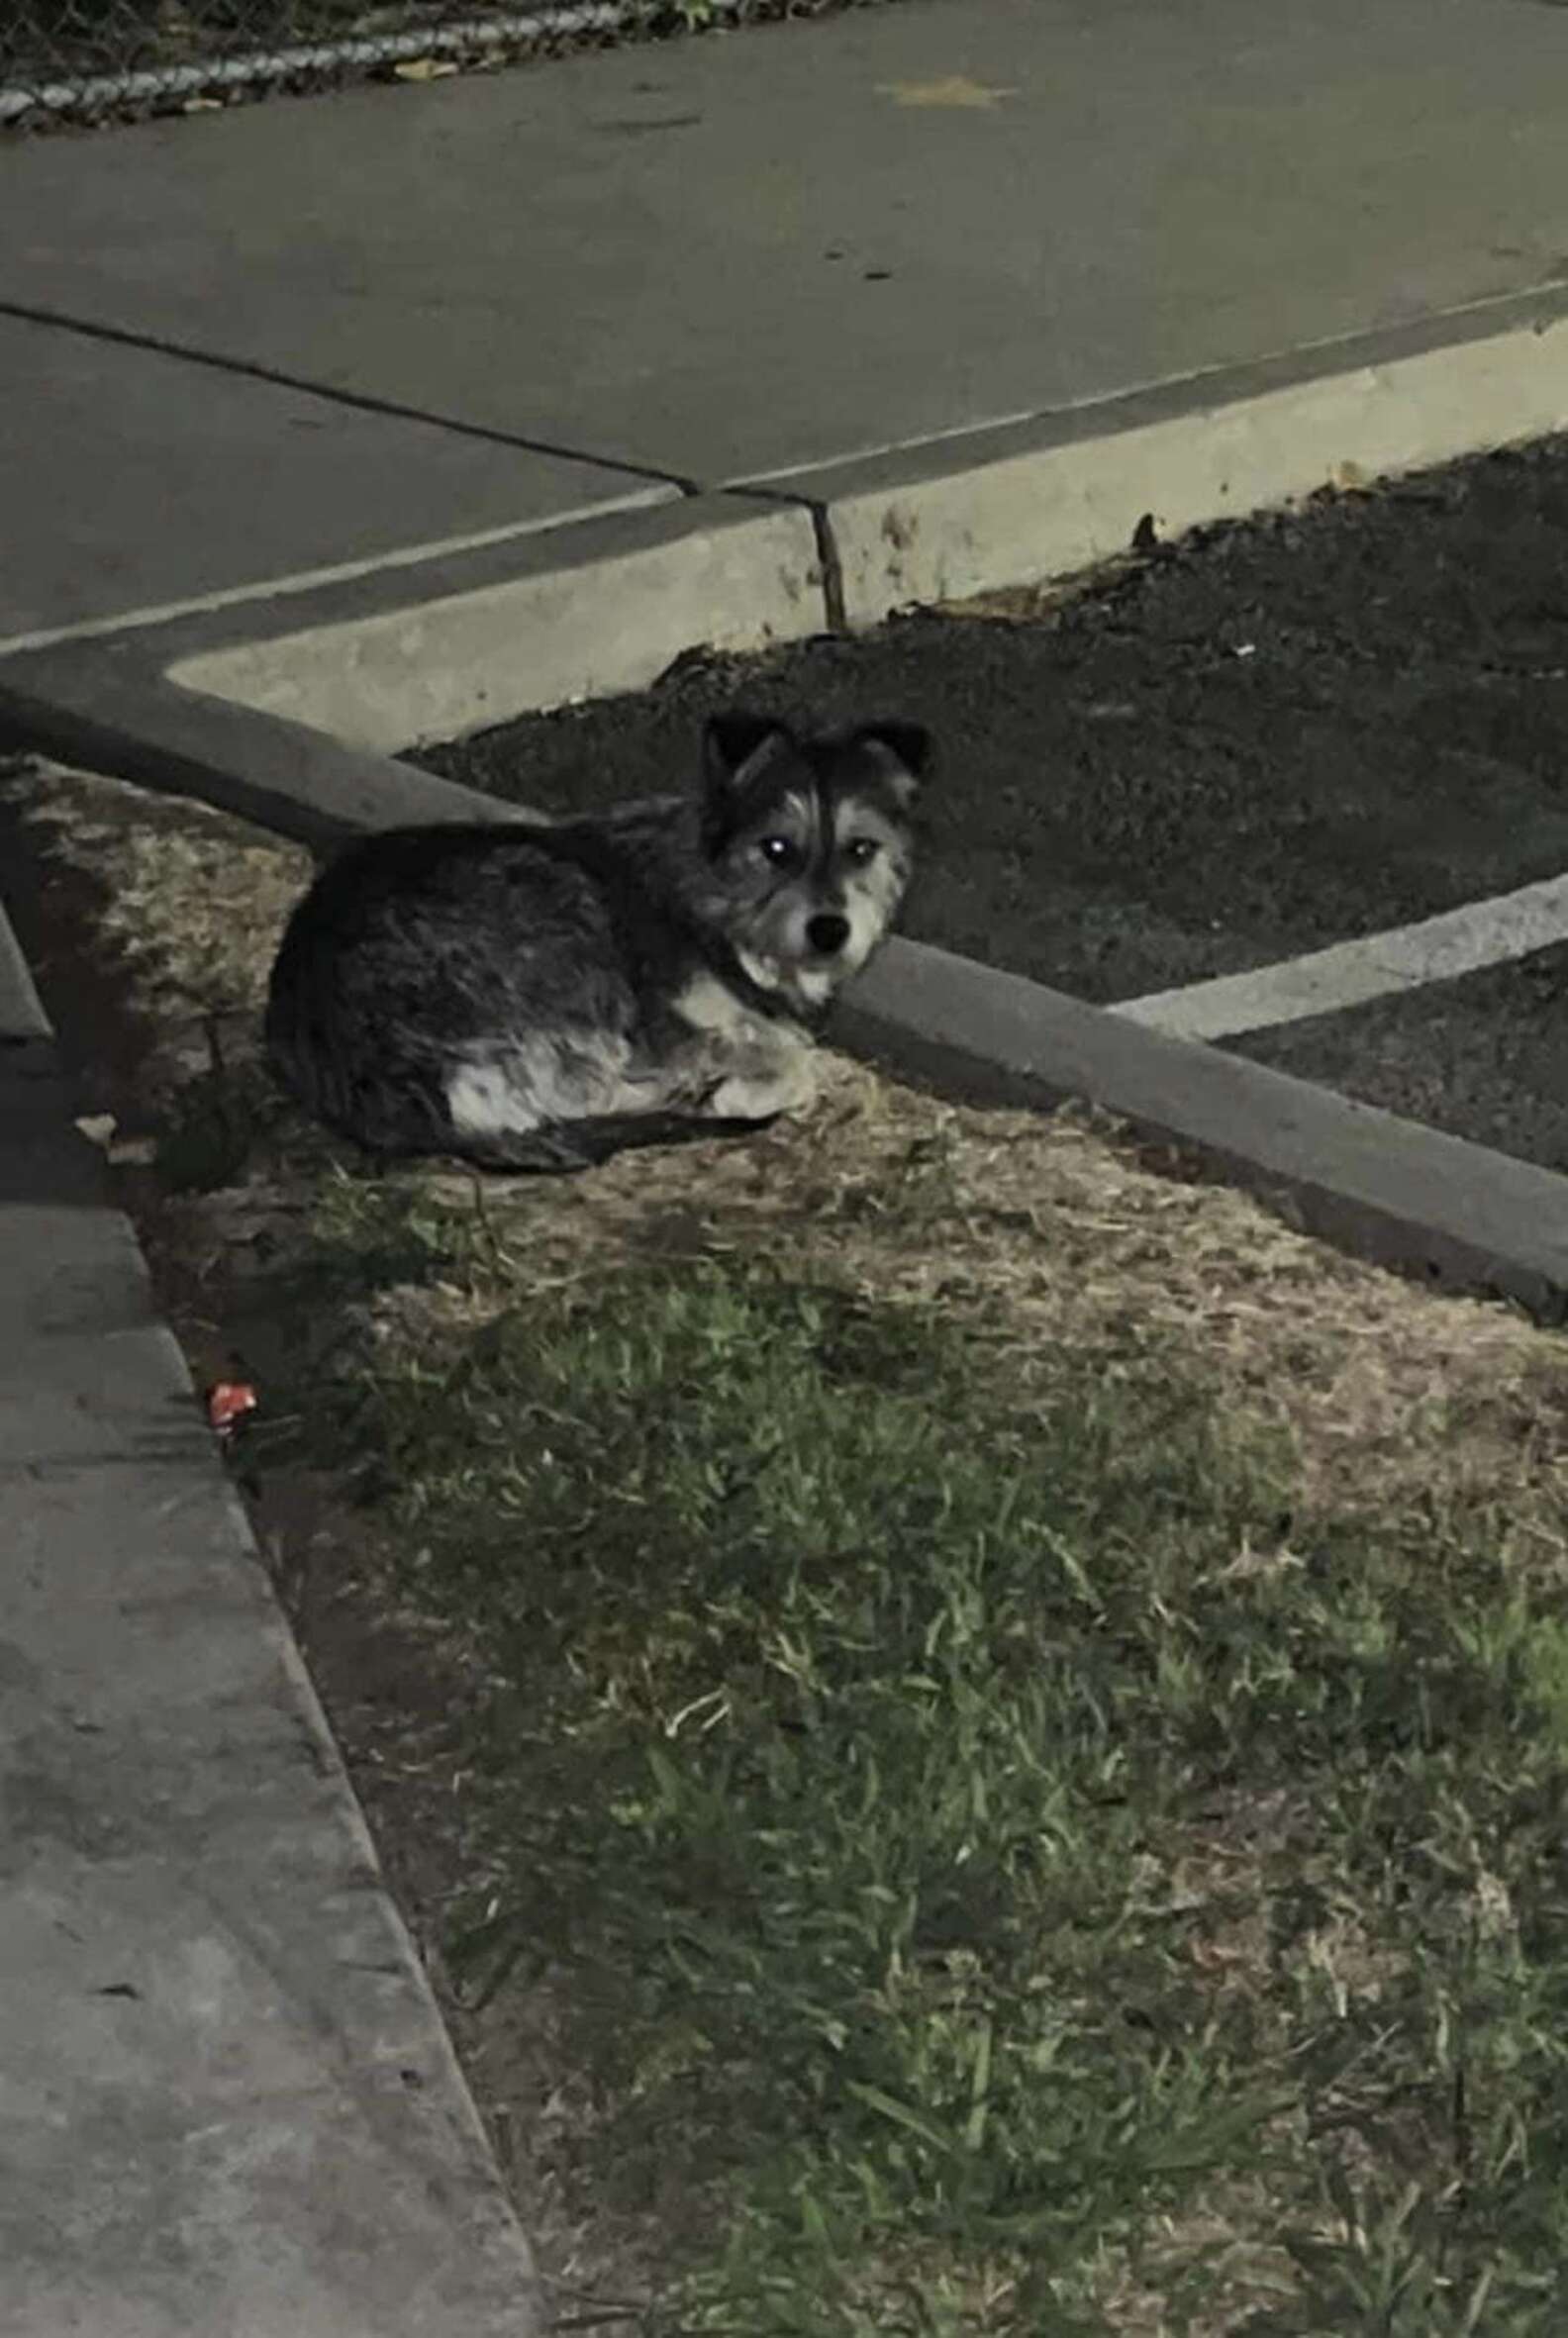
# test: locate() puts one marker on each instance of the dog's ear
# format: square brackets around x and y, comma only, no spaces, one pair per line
[907,745]
[734,747]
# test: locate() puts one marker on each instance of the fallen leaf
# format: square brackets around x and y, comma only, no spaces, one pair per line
[425,68]
[956,91]
[98,1129]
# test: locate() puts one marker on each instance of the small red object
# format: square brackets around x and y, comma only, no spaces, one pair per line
[227,1403]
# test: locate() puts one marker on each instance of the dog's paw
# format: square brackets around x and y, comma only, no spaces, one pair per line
[786,1088]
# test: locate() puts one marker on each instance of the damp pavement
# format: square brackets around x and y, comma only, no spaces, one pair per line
[1280,734]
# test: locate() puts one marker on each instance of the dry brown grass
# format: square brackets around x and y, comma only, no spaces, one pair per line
[195,901]
[1052,1224]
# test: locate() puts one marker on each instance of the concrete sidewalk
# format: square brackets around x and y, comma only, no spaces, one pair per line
[228,2107]
[753,258]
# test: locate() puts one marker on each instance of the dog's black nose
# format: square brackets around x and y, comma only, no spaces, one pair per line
[827,932]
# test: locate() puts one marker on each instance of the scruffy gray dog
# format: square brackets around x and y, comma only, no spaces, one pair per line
[538,997]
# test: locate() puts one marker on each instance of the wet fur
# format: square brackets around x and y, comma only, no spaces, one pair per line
[538,998]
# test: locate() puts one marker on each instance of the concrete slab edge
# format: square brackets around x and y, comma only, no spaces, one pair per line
[1386,1188]
[279,589]
[1026,502]
[574,613]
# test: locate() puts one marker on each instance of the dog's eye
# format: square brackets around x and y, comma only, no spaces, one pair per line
[862,850]
[778,849]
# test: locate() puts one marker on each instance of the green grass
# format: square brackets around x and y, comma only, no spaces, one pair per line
[1006,1870]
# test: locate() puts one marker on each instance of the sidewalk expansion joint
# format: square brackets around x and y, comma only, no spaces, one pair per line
[334,394]
[829,564]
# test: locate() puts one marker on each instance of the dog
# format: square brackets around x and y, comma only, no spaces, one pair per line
[536,998]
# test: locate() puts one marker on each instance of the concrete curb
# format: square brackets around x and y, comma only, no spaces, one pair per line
[111,710]
[582,610]
[423,650]
[429,645]
[1386,1188]
[231,2103]
[228,704]
[1040,498]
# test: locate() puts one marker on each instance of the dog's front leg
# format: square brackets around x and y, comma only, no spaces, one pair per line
[763,1079]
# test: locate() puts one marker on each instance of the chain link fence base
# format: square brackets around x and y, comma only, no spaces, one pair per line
[85,62]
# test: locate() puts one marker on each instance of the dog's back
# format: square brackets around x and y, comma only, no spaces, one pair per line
[421,944]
